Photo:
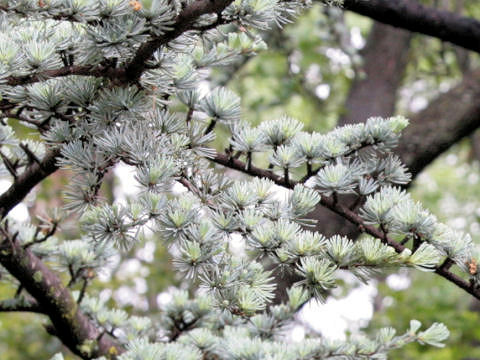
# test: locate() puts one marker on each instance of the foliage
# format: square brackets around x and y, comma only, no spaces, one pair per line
[113,82]
[456,193]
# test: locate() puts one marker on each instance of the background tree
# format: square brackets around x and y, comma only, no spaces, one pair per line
[97,118]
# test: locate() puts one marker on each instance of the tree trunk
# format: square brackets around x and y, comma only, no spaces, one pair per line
[385,58]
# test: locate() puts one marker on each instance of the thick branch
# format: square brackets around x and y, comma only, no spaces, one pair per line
[411,15]
[71,326]
[450,117]
[25,182]
[184,22]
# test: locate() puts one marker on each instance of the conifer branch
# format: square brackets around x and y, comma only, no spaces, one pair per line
[99,122]
[84,70]
[59,16]
[338,208]
[18,116]
[185,21]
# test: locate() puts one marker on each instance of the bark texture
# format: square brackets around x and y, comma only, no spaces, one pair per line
[450,117]
[70,325]
[385,57]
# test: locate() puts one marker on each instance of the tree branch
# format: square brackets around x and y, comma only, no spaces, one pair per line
[66,15]
[15,115]
[392,46]
[71,325]
[338,208]
[449,118]
[184,22]
[381,82]
[411,15]
[86,70]
[25,182]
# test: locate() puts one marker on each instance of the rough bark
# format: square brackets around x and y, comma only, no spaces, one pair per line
[70,325]
[384,60]
[411,15]
[450,117]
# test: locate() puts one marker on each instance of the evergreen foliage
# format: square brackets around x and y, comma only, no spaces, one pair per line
[111,81]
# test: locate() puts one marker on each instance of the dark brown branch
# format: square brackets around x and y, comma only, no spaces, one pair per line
[185,21]
[82,291]
[71,326]
[220,21]
[236,164]
[44,238]
[30,155]
[411,15]
[25,182]
[330,203]
[449,118]
[11,167]
[311,172]
[181,327]
[381,82]
[355,219]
